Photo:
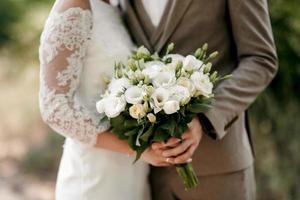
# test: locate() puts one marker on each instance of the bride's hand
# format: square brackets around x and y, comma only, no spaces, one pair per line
[154,158]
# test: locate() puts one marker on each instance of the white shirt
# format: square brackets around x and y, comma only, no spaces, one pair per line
[155,9]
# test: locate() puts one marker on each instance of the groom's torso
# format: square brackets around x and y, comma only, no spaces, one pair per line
[190,24]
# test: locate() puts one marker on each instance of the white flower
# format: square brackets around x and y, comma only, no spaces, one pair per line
[139,75]
[179,93]
[134,95]
[112,106]
[137,111]
[191,63]
[164,79]
[100,105]
[117,86]
[202,83]
[171,107]
[171,67]
[186,82]
[153,68]
[158,99]
[176,58]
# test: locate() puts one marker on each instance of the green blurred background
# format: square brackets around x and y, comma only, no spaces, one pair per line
[30,152]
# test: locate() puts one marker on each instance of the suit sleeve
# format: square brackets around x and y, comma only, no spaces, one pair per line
[257,63]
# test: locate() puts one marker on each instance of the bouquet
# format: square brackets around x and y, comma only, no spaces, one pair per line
[152,98]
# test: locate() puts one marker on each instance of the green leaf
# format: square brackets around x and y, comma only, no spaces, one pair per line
[148,133]
[131,132]
[129,124]
[180,129]
[115,122]
[198,107]
[131,142]
[168,126]
[139,152]
[160,135]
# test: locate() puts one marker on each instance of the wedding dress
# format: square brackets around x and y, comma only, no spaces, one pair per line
[79,45]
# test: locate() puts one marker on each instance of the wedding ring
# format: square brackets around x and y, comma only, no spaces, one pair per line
[189,160]
[167,160]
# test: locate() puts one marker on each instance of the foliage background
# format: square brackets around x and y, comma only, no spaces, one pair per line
[29,151]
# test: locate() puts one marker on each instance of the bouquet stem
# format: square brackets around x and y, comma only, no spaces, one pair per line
[188,175]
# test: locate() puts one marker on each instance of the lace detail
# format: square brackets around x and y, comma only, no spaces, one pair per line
[64,43]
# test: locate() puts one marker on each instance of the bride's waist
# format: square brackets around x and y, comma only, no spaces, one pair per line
[85,153]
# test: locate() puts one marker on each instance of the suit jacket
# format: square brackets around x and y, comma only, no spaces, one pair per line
[240,31]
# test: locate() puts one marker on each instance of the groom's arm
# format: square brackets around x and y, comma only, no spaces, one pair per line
[257,65]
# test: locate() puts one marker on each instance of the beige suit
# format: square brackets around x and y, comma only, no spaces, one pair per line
[240,31]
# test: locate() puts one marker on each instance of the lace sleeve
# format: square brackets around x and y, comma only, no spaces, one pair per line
[62,51]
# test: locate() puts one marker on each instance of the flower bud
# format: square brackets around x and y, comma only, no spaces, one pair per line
[205,47]
[179,66]
[149,90]
[170,48]
[147,80]
[198,54]
[207,68]
[119,73]
[106,79]
[211,56]
[142,52]
[146,106]
[132,64]
[151,117]
[214,76]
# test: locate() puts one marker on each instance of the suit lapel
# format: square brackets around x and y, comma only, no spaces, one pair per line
[135,26]
[176,13]
[159,30]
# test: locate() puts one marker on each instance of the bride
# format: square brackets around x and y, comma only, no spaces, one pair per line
[79,45]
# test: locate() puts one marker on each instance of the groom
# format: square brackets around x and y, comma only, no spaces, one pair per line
[220,142]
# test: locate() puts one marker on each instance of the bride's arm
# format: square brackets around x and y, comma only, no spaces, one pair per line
[64,43]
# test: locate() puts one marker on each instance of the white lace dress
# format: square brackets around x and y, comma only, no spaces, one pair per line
[80,43]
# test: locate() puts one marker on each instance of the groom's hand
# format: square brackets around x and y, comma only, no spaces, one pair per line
[181,152]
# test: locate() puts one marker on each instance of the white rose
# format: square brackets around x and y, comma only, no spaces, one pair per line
[191,63]
[112,106]
[164,79]
[171,107]
[179,93]
[158,99]
[202,83]
[134,95]
[137,111]
[153,68]
[117,86]
[186,82]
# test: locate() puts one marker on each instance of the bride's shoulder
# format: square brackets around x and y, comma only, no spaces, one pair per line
[63,5]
